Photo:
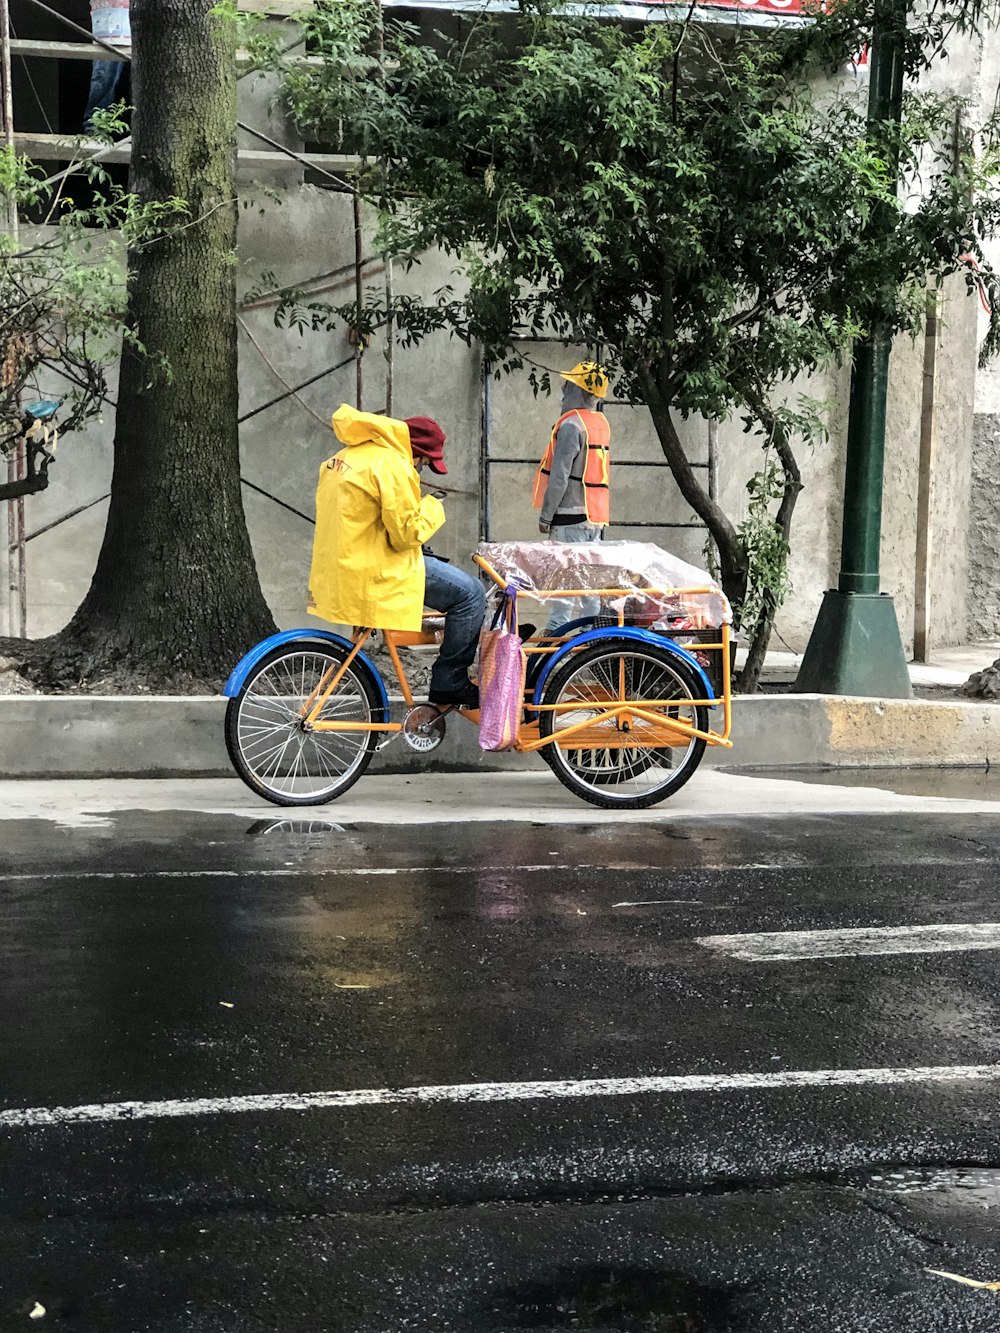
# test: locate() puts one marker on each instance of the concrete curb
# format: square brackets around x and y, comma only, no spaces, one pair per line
[56,736]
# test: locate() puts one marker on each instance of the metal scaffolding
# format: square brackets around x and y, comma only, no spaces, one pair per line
[335,170]
[17,580]
[489,460]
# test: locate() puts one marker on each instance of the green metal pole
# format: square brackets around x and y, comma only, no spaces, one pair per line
[856,647]
[860,551]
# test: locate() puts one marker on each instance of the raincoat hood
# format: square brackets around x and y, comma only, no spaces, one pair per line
[352,427]
[371,521]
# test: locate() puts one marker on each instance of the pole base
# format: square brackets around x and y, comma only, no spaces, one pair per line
[855,648]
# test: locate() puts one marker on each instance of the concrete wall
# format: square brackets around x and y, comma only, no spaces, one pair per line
[984,530]
[297,231]
[312,231]
[950,473]
[983,543]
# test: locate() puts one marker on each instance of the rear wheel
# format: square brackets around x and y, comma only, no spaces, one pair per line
[617,759]
[270,740]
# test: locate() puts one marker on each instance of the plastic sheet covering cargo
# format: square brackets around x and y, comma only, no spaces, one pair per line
[654,588]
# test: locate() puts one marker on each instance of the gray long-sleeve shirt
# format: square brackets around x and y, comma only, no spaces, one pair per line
[565,493]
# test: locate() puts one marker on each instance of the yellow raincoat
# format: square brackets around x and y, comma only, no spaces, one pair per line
[367,567]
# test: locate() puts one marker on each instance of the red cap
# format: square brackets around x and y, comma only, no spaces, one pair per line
[427,441]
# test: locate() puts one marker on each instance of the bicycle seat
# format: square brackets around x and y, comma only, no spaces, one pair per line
[425,639]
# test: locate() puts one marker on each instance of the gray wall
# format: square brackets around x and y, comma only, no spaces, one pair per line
[983,534]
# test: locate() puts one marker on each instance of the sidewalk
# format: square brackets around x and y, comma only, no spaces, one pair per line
[950,666]
[447,798]
[150,736]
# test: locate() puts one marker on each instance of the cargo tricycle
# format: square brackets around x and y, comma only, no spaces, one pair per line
[617,701]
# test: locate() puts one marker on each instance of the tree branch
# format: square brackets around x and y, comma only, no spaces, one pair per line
[778,437]
[36,478]
[732,556]
[676,72]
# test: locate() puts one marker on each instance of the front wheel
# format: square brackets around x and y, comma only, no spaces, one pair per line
[269,734]
[610,756]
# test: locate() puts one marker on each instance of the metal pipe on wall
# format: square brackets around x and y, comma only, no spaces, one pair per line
[713,475]
[390,338]
[484,454]
[17,596]
[359,257]
[390,318]
[925,487]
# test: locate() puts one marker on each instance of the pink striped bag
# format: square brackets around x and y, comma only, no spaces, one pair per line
[502,669]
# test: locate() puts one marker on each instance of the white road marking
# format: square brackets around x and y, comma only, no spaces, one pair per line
[104,1112]
[338,872]
[662,902]
[300,872]
[791,945]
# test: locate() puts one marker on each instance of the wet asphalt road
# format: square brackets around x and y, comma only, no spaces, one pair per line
[186,957]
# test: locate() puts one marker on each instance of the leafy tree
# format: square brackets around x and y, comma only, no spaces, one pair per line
[62,297]
[698,208]
[175,598]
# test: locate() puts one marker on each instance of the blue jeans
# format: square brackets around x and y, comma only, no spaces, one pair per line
[463,601]
[105,76]
[574,608]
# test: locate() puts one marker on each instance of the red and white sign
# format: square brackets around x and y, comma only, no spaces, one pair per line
[633,9]
[762,6]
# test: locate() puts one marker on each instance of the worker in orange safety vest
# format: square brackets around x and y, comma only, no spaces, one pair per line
[573,483]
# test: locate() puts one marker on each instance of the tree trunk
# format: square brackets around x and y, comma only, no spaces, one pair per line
[733,559]
[175,598]
[749,677]
[732,556]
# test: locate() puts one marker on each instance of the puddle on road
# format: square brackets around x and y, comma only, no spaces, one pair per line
[265,827]
[962,784]
[977,1184]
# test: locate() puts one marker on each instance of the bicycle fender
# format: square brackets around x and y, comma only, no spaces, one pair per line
[246,665]
[622,632]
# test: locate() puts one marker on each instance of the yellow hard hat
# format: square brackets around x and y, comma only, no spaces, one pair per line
[588,376]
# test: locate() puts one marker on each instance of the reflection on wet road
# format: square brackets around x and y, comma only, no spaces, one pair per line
[958,784]
[283,1073]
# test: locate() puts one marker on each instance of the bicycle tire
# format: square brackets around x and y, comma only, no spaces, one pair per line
[604,788]
[335,761]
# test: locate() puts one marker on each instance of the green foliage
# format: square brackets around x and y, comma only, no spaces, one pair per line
[695,204]
[768,583]
[254,32]
[62,285]
[707,218]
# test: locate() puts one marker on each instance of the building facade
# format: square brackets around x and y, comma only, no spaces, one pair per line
[298,228]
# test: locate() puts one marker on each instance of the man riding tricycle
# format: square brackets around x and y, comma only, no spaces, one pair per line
[616,702]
